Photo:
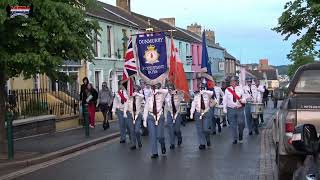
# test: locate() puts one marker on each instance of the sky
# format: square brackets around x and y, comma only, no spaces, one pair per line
[243,27]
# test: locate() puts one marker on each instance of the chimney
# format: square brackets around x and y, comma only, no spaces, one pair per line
[195,28]
[124,4]
[170,21]
[210,36]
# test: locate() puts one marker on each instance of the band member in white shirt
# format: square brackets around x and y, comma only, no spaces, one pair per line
[172,111]
[215,101]
[147,92]
[153,117]
[200,110]
[250,92]
[119,102]
[133,113]
[233,105]
[260,90]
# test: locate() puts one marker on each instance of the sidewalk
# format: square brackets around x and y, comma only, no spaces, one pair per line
[35,149]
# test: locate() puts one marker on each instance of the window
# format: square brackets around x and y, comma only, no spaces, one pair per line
[97,79]
[193,63]
[109,40]
[124,42]
[187,50]
[180,48]
[309,82]
[96,45]
[199,55]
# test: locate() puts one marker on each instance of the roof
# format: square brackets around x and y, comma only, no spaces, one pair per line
[140,23]
[199,38]
[100,12]
[257,74]
[178,34]
[270,74]
[229,56]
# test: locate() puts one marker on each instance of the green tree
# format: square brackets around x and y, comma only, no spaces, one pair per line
[299,61]
[301,20]
[57,31]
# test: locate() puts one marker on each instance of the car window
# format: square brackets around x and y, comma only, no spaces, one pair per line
[309,82]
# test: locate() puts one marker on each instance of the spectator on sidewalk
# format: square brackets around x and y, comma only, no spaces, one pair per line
[92,96]
[104,103]
[83,97]
[265,96]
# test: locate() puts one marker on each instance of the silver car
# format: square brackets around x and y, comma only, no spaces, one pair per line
[301,106]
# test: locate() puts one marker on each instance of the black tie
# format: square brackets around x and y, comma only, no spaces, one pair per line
[214,94]
[202,105]
[234,98]
[122,101]
[154,105]
[134,104]
[174,109]
[250,91]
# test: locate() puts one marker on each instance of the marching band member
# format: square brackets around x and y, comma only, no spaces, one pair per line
[119,102]
[172,108]
[233,106]
[250,92]
[133,114]
[215,100]
[153,117]
[147,92]
[260,90]
[200,110]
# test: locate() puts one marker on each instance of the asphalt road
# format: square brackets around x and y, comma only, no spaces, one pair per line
[116,162]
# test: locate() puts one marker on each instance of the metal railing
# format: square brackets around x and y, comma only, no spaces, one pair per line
[26,103]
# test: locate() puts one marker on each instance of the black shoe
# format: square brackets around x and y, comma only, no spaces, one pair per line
[106,125]
[179,141]
[163,149]
[140,145]
[133,148]
[235,142]
[240,137]
[172,146]
[208,143]
[257,132]
[202,147]
[214,133]
[154,156]
[224,125]
[250,133]
[122,142]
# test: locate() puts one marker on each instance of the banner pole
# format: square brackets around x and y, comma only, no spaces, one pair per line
[170,30]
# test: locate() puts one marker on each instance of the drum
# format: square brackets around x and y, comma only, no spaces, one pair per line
[218,111]
[257,108]
[183,108]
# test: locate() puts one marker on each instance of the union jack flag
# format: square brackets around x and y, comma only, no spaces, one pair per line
[129,69]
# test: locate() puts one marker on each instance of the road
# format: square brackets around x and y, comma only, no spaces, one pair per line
[116,162]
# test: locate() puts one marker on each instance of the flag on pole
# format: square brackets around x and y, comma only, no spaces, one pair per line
[205,65]
[129,69]
[177,76]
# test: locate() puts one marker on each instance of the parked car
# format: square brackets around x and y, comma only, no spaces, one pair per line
[301,106]
[305,140]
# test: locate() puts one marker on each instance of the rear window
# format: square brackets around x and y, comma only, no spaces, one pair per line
[309,82]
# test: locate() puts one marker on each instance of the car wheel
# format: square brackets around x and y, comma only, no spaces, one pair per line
[287,164]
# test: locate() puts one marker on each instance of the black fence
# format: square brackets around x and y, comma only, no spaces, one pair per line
[35,102]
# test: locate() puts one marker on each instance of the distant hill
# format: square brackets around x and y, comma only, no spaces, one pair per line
[282,70]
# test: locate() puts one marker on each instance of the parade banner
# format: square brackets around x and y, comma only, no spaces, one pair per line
[152,57]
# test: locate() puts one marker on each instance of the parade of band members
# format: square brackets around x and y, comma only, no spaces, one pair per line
[149,99]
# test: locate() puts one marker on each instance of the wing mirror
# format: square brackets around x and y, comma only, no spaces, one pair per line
[305,139]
